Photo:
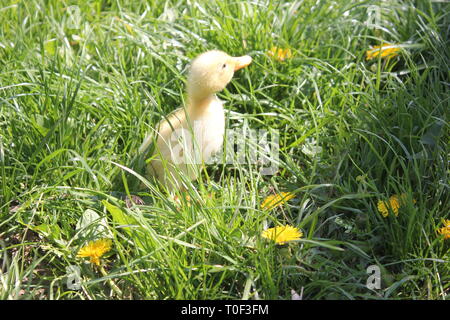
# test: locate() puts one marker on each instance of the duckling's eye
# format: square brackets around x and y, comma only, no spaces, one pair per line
[224,66]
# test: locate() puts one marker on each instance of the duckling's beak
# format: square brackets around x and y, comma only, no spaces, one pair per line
[241,62]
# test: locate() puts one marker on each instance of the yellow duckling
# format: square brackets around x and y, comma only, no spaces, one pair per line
[190,135]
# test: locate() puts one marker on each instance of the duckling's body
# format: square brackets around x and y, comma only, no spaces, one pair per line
[189,136]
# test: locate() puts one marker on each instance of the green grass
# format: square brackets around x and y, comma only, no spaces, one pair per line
[77,96]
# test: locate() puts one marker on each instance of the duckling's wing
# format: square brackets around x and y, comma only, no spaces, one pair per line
[146,151]
[147,147]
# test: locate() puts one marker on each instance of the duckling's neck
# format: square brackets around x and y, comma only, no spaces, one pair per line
[197,104]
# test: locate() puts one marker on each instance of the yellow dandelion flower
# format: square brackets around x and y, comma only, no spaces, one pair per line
[279,53]
[382,208]
[275,200]
[385,51]
[95,250]
[394,203]
[282,234]
[445,230]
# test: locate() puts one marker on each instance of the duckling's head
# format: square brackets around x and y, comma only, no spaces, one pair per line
[211,71]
